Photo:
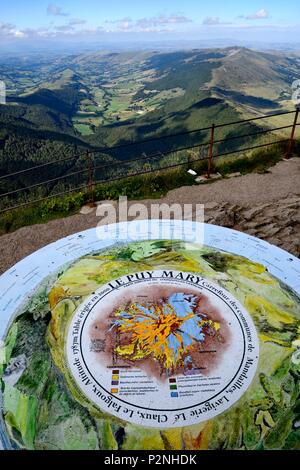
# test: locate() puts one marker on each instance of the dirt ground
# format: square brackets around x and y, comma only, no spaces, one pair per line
[265,205]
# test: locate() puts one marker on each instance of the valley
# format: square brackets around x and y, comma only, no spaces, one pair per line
[114,88]
[61,106]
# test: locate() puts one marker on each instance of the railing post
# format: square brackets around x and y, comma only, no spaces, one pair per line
[211,148]
[292,138]
[90,168]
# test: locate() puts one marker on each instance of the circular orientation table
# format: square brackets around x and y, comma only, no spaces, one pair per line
[151,335]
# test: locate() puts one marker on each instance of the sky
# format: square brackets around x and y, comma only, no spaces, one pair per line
[269,21]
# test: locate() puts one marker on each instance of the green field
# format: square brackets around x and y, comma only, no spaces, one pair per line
[84,129]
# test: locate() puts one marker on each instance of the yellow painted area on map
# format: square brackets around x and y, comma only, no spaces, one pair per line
[215,325]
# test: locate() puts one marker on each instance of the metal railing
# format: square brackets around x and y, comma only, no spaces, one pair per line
[90,169]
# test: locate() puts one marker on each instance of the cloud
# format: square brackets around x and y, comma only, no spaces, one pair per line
[75,26]
[64,29]
[76,22]
[261,14]
[214,21]
[69,30]
[162,20]
[128,19]
[19,34]
[55,10]
[158,24]
[124,24]
[8,30]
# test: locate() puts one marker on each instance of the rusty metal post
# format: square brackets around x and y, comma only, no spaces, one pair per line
[292,138]
[90,168]
[211,148]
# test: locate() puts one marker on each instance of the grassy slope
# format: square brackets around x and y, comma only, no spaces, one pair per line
[151,186]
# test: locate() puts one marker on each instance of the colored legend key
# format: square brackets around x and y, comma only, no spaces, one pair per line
[173,386]
[115,381]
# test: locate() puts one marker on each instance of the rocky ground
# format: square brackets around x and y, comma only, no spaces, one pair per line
[264,205]
[277,222]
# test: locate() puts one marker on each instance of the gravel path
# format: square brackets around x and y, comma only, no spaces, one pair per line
[283,181]
[265,205]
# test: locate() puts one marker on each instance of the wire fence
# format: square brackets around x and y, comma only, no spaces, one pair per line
[202,143]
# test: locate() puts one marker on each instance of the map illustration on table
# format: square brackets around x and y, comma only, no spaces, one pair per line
[151,343]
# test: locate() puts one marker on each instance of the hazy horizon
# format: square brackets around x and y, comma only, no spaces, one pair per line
[44,25]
